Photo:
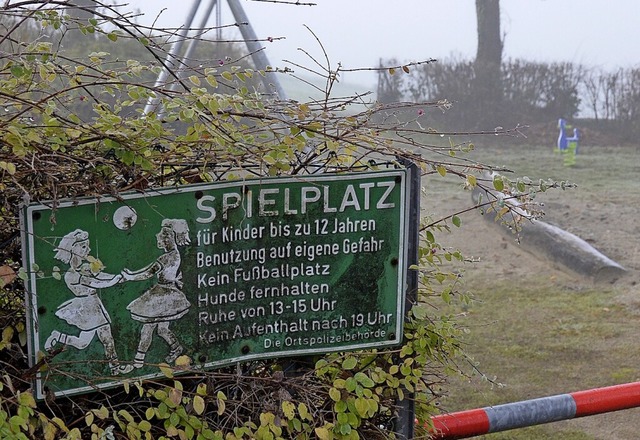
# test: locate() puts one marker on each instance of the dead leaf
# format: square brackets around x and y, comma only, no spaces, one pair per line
[7,275]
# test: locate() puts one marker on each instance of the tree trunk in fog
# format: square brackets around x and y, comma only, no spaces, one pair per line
[488,84]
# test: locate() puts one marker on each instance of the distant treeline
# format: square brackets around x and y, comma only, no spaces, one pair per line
[532,93]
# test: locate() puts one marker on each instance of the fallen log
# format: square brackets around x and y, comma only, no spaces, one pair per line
[550,242]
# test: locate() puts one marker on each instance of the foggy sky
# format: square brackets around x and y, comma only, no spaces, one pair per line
[357,33]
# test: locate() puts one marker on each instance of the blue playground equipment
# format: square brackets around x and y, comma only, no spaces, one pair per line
[568,145]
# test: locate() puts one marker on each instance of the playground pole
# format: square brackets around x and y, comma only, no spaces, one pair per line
[498,418]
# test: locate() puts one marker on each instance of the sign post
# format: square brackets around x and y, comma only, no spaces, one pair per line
[222,273]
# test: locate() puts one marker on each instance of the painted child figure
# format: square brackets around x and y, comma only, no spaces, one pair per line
[85,311]
[164,302]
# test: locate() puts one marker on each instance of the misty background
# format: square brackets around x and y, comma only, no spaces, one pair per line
[357,33]
[568,58]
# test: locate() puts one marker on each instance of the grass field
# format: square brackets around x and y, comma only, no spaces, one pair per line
[536,329]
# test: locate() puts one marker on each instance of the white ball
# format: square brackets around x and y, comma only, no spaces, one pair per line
[125,218]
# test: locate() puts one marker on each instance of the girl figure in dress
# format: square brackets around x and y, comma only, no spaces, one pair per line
[164,302]
[85,311]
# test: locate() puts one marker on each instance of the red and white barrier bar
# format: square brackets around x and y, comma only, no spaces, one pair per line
[498,418]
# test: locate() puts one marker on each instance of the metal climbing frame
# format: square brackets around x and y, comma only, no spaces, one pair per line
[249,36]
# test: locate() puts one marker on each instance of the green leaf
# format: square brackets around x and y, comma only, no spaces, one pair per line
[288,409]
[110,143]
[221,402]
[498,183]
[350,363]
[7,334]
[420,311]
[112,36]
[430,237]
[9,167]
[441,170]
[304,411]
[267,418]
[340,406]
[95,265]
[17,71]
[198,404]
[166,370]
[128,157]
[183,361]
[339,383]
[174,419]
[456,221]
[364,380]
[213,82]
[25,398]
[362,406]
[323,433]
[335,394]
[102,413]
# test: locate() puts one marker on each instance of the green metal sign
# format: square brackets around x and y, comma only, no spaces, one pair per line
[221,273]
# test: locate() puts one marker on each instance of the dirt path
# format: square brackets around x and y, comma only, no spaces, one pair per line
[608,220]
